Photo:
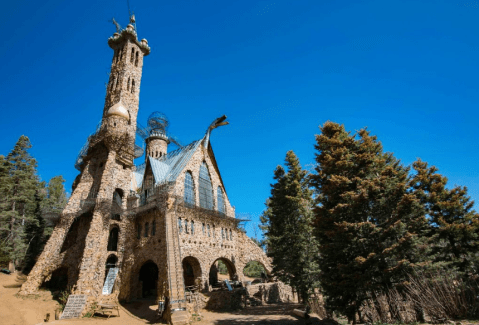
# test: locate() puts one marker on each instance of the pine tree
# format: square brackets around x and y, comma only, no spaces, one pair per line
[454,225]
[55,201]
[287,225]
[18,204]
[367,223]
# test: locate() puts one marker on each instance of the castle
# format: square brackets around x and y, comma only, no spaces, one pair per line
[162,225]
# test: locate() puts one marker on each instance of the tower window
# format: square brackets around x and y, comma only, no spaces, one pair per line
[214,231]
[128,84]
[180,226]
[203,228]
[136,60]
[189,196]
[146,229]
[231,235]
[222,234]
[113,239]
[133,86]
[186,226]
[208,226]
[206,191]
[121,54]
[138,235]
[220,200]
[132,55]
[192,227]
[153,228]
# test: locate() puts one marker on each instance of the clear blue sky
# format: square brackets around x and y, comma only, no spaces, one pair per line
[406,69]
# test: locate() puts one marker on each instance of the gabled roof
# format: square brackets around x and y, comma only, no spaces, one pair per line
[168,167]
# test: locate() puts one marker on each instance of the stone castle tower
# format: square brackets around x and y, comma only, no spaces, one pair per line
[163,224]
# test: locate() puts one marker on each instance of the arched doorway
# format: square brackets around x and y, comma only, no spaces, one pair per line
[191,271]
[58,281]
[111,261]
[149,280]
[220,270]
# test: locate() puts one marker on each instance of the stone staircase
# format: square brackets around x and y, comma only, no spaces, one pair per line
[179,315]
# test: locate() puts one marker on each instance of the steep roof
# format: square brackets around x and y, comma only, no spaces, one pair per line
[168,167]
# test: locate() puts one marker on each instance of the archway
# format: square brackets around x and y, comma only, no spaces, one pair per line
[58,281]
[149,279]
[191,271]
[111,261]
[220,270]
[255,271]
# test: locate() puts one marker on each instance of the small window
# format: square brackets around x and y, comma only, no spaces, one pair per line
[203,228]
[138,236]
[180,226]
[132,55]
[146,229]
[231,236]
[136,60]
[128,84]
[186,226]
[192,227]
[222,234]
[208,226]
[214,231]
[115,217]
[133,86]
[153,228]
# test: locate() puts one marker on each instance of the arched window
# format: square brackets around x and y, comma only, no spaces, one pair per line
[153,228]
[128,84]
[222,234]
[132,55]
[206,191]
[186,226]
[220,200]
[139,231]
[192,227]
[113,239]
[180,225]
[136,60]
[146,229]
[231,236]
[133,86]
[208,226]
[189,196]
[203,228]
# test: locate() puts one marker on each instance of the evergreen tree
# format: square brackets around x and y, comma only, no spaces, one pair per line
[287,225]
[454,225]
[54,203]
[368,226]
[18,199]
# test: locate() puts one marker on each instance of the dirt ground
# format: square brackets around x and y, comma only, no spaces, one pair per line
[15,310]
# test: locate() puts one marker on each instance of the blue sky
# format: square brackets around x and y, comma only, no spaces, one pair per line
[408,70]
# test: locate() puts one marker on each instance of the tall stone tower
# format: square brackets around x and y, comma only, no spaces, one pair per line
[102,187]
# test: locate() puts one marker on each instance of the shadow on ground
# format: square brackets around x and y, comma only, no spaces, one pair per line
[143,309]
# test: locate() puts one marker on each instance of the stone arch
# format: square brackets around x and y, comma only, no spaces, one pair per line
[58,280]
[263,273]
[148,277]
[77,232]
[191,271]
[213,278]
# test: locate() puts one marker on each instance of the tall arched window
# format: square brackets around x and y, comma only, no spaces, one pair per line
[220,200]
[136,60]
[132,55]
[192,227]
[189,196]
[208,226]
[206,190]
[186,226]
[231,235]
[113,239]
